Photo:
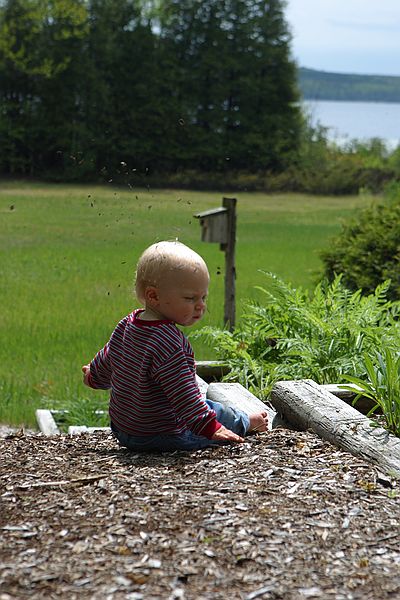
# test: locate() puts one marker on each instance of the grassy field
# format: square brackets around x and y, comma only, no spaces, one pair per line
[67,263]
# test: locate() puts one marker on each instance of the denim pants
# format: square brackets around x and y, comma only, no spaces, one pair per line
[231,418]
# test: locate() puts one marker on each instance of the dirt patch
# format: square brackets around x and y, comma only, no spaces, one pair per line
[284,516]
[8,430]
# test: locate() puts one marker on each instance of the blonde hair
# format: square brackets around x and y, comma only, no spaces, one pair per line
[163,259]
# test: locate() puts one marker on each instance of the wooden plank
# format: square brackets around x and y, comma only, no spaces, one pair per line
[337,390]
[236,396]
[203,385]
[307,405]
[363,405]
[46,422]
[78,429]
[211,369]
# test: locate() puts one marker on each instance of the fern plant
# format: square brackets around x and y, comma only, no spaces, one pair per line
[248,364]
[295,334]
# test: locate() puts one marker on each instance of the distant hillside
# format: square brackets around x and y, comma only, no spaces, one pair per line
[320,85]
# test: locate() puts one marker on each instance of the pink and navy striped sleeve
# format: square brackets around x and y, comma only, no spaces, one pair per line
[100,370]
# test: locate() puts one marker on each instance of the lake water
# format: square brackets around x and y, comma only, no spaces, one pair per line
[361,120]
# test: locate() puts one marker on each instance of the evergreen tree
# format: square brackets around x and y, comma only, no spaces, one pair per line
[235,81]
[90,86]
[38,42]
[270,117]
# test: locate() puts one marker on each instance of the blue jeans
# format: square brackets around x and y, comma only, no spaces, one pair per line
[231,418]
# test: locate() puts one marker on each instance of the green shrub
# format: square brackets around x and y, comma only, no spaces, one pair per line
[367,250]
[323,167]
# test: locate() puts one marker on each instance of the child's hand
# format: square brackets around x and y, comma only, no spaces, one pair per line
[226,435]
[86,374]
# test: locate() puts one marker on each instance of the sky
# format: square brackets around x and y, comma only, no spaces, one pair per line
[346,36]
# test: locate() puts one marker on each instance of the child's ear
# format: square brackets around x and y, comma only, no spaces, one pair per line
[151,295]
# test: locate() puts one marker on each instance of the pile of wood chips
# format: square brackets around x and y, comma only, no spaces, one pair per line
[283,516]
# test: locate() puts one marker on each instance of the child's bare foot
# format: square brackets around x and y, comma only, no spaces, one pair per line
[258,422]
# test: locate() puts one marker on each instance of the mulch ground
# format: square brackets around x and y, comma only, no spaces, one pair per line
[283,516]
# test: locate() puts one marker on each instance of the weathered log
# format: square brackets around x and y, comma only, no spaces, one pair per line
[307,405]
[236,396]
[203,385]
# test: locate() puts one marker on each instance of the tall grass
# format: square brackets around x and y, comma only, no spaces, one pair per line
[67,258]
[381,384]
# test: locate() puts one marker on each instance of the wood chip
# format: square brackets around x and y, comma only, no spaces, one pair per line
[284,515]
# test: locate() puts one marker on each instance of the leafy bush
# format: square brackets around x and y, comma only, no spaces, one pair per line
[323,167]
[294,334]
[367,251]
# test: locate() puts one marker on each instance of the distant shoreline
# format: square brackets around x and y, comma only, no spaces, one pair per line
[323,85]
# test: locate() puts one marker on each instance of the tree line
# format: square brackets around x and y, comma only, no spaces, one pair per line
[101,87]
[320,85]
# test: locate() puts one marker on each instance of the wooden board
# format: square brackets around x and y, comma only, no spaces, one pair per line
[211,369]
[236,396]
[46,422]
[78,429]
[203,385]
[363,404]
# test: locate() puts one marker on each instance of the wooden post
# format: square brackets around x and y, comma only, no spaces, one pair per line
[219,225]
[230,268]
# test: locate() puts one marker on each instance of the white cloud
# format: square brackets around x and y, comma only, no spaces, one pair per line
[353,36]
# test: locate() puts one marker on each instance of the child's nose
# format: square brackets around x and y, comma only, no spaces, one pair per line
[201,304]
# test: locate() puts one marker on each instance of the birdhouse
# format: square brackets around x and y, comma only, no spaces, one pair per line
[219,225]
[214,225]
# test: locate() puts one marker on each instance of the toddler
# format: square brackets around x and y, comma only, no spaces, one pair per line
[148,363]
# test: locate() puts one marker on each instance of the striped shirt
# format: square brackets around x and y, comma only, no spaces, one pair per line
[149,368]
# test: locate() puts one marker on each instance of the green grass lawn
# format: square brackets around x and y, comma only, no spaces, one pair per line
[67,259]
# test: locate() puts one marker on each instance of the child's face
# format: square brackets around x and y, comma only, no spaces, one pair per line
[182,299]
